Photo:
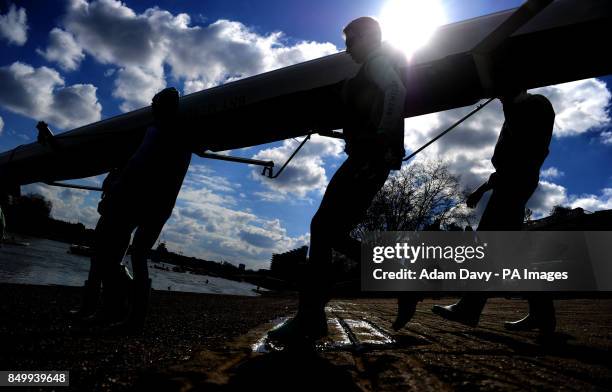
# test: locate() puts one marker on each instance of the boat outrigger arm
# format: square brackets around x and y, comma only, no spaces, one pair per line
[268,166]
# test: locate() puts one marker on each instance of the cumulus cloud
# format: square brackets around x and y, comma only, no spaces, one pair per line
[305,173]
[580,106]
[551,172]
[63,50]
[205,223]
[467,150]
[193,86]
[546,196]
[142,44]
[202,176]
[593,202]
[70,205]
[271,196]
[136,86]
[606,137]
[549,195]
[14,25]
[258,237]
[40,93]
[211,224]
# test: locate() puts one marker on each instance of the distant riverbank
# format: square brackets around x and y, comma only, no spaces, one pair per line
[47,262]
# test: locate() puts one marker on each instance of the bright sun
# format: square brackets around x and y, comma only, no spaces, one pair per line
[409,24]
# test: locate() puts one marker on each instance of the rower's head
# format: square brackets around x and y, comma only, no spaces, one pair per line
[512,95]
[166,106]
[362,37]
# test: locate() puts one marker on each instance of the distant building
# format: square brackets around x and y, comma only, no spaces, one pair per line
[241,267]
[565,218]
[286,265]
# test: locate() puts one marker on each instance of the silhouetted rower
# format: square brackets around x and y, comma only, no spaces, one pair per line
[520,151]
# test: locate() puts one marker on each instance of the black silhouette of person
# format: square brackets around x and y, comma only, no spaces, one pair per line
[139,197]
[374,135]
[520,151]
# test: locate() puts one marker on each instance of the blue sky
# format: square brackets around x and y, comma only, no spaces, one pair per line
[74,62]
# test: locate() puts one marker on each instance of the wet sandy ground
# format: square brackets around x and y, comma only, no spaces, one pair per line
[200,342]
[364,354]
[36,334]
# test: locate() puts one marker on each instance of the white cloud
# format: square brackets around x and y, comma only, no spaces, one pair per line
[580,106]
[271,196]
[195,85]
[63,50]
[198,56]
[593,202]
[204,223]
[114,34]
[39,93]
[467,149]
[606,137]
[551,172]
[1,125]
[305,173]
[546,196]
[549,195]
[201,175]
[14,25]
[68,204]
[213,226]
[137,86]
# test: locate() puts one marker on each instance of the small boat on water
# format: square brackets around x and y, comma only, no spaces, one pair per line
[81,250]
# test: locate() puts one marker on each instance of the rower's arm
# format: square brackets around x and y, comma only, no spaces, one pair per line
[387,79]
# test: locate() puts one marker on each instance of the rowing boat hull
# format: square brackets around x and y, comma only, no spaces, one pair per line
[559,45]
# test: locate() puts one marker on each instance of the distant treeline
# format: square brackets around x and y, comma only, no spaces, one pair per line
[31,215]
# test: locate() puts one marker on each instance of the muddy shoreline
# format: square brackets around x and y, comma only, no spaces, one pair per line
[36,334]
[205,342]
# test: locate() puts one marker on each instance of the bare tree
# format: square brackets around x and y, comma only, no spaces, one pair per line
[416,197]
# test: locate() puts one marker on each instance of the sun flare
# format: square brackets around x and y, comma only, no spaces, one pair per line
[409,24]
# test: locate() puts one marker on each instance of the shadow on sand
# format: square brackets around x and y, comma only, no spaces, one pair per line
[276,371]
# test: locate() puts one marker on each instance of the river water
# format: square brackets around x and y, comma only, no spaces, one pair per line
[46,262]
